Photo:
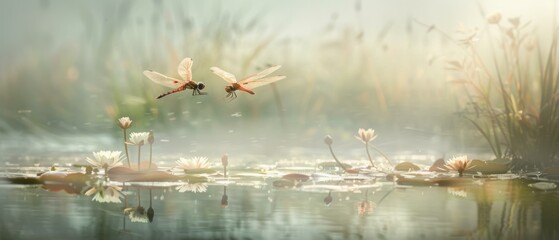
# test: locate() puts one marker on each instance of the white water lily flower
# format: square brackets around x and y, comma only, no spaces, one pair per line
[193,187]
[137,214]
[124,122]
[105,193]
[106,159]
[459,164]
[366,136]
[194,163]
[138,138]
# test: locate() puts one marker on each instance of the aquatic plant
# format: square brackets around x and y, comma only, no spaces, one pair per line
[193,165]
[225,162]
[366,136]
[328,141]
[150,140]
[138,139]
[104,193]
[106,159]
[515,103]
[459,164]
[125,123]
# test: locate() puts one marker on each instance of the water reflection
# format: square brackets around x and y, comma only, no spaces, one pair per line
[224,198]
[104,192]
[480,209]
[137,213]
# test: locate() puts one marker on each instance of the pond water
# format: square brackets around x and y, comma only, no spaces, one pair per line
[254,206]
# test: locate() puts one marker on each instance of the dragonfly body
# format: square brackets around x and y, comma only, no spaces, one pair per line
[248,83]
[177,85]
[196,87]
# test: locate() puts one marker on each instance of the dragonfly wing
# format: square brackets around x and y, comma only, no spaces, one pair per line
[185,69]
[261,82]
[163,80]
[262,74]
[230,78]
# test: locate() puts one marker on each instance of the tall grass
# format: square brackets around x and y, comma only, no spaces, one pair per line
[512,93]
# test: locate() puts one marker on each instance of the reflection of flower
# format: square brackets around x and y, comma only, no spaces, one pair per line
[193,187]
[104,193]
[459,164]
[458,192]
[124,122]
[365,136]
[365,207]
[138,138]
[193,163]
[106,159]
[137,214]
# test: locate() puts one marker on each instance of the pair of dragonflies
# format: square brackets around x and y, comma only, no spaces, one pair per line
[247,84]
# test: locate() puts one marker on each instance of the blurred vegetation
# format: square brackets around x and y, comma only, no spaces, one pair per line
[350,75]
[512,94]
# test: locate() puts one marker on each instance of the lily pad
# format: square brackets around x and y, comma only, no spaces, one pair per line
[406,166]
[296,177]
[438,166]
[332,166]
[488,167]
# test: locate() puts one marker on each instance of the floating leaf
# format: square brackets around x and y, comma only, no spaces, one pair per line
[296,177]
[406,166]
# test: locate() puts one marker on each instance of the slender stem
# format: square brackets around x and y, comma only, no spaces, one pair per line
[336,159]
[126,147]
[368,154]
[139,197]
[139,151]
[224,171]
[150,151]
[383,155]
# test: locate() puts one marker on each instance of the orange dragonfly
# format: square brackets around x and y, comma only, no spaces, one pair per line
[248,83]
[177,84]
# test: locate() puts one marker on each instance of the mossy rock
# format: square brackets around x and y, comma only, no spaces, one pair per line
[407,166]
[488,167]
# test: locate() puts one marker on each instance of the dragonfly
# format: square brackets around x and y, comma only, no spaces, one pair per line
[185,71]
[247,83]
